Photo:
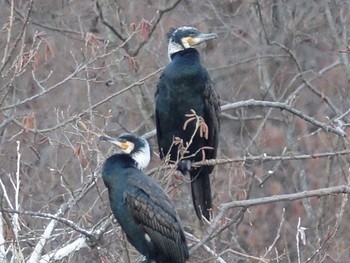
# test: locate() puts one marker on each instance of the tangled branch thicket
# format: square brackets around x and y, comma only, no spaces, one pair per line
[72,70]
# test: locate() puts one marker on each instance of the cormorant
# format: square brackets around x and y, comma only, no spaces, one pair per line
[141,207]
[185,85]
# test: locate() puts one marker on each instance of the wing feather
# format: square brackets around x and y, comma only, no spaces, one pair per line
[152,210]
[212,116]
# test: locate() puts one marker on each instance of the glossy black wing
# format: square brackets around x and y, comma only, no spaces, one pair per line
[160,104]
[200,186]
[153,212]
[159,132]
[212,116]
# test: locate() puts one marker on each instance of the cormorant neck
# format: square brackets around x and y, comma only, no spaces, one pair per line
[192,51]
[112,169]
[121,160]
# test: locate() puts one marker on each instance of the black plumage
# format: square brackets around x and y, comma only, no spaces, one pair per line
[139,204]
[183,86]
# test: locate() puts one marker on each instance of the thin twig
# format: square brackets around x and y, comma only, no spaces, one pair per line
[18,38]
[259,158]
[206,248]
[94,235]
[156,21]
[268,158]
[340,217]
[10,25]
[277,235]
[86,111]
[340,189]
[245,256]
[15,219]
[298,65]
[112,28]
[56,217]
[216,226]
[284,106]
[44,91]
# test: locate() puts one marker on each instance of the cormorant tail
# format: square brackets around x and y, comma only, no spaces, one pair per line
[201,193]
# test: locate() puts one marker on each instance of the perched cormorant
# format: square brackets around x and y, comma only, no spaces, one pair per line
[185,85]
[141,207]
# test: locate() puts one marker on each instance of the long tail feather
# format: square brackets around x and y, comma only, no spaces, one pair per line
[201,193]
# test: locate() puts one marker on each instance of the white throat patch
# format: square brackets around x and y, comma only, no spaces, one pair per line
[142,157]
[173,48]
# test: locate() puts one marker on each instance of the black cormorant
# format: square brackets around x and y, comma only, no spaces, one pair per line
[183,86]
[141,207]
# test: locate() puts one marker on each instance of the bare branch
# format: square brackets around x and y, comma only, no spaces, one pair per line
[55,217]
[83,112]
[278,235]
[341,189]
[155,23]
[107,24]
[84,241]
[267,158]
[65,251]
[44,91]
[18,38]
[284,106]
[206,248]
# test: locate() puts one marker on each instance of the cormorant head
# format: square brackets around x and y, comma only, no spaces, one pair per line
[130,144]
[186,37]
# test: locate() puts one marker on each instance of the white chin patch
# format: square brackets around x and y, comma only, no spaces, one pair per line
[142,157]
[173,48]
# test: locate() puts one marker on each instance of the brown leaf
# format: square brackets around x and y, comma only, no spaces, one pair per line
[94,40]
[223,221]
[178,141]
[40,34]
[79,152]
[145,29]
[131,62]
[133,27]
[24,60]
[203,155]
[8,233]
[203,128]
[49,52]
[29,122]
[36,61]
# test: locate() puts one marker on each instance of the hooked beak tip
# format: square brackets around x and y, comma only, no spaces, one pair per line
[106,138]
[210,36]
[103,138]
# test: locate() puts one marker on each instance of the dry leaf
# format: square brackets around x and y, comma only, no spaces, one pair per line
[145,29]
[79,152]
[35,61]
[131,62]
[49,52]
[29,122]
[133,27]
